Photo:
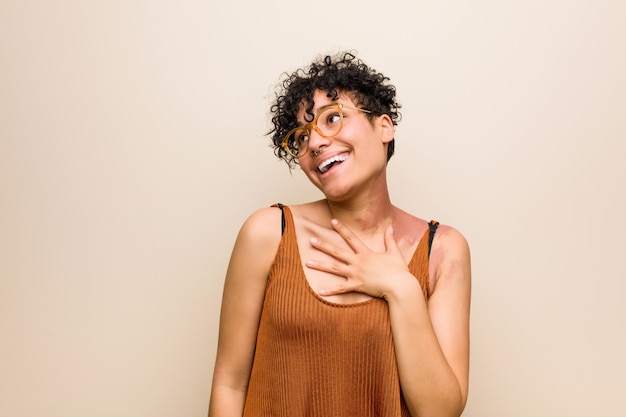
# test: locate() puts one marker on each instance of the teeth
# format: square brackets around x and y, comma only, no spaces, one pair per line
[325,166]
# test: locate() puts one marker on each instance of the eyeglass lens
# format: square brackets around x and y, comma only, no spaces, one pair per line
[327,123]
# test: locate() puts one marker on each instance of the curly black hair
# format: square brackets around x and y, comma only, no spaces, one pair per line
[342,73]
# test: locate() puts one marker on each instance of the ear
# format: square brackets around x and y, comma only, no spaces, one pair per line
[386,128]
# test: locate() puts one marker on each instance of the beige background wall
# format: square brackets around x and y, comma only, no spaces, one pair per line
[132,148]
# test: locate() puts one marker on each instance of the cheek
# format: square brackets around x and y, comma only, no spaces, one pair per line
[306,165]
[305,162]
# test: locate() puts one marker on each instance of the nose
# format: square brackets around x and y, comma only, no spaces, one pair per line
[317,142]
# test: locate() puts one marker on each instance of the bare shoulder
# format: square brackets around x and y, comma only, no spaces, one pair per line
[450,254]
[259,237]
[447,238]
[264,225]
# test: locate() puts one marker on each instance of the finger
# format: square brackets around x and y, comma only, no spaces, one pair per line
[351,239]
[335,291]
[330,250]
[334,268]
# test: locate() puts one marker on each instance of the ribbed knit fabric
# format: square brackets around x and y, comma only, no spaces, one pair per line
[316,358]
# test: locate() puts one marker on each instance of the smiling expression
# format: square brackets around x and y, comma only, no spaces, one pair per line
[356,155]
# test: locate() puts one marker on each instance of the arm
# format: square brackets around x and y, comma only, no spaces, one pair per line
[242,301]
[431,340]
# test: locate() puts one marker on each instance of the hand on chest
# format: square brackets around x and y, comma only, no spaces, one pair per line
[336,255]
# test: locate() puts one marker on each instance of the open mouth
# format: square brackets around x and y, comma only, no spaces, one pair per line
[327,164]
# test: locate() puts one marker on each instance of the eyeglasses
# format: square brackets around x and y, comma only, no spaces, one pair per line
[327,122]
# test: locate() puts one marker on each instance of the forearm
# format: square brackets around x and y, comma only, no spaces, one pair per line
[429,384]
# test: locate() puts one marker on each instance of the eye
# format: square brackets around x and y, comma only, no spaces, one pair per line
[333,118]
[300,138]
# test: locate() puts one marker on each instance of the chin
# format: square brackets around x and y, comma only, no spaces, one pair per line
[335,193]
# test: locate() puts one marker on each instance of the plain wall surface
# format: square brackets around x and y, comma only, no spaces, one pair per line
[132,148]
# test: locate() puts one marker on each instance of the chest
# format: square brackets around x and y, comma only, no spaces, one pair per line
[318,280]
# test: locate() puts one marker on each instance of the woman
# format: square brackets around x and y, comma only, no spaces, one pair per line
[347,306]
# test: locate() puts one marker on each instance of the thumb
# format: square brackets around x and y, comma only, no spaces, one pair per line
[390,241]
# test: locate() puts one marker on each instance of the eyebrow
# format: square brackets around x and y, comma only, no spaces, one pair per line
[326,106]
[316,112]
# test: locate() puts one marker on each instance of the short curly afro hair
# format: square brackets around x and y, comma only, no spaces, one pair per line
[342,73]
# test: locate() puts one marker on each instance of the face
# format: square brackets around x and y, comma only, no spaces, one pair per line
[352,160]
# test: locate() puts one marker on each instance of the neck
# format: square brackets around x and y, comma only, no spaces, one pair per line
[366,216]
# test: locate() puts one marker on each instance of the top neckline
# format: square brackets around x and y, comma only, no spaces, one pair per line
[291,230]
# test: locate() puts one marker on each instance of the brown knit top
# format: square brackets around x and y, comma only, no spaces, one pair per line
[316,358]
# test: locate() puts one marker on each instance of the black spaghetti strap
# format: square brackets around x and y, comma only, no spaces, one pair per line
[282,219]
[433,225]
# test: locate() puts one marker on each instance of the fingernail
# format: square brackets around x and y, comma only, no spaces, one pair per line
[334,222]
[314,240]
